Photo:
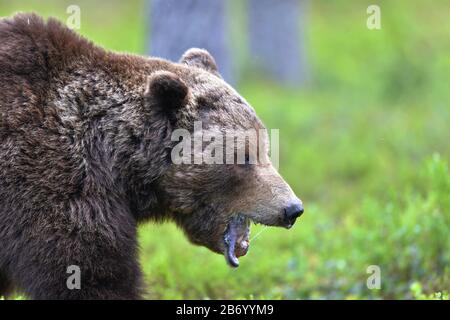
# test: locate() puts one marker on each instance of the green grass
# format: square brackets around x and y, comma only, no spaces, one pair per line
[365,144]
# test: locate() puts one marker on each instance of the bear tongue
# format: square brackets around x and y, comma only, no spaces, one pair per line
[236,239]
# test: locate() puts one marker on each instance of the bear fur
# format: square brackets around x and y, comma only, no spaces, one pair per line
[85,142]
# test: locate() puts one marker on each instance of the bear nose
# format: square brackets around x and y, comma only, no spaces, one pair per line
[292,212]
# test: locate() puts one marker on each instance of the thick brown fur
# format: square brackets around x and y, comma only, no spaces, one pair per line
[85,156]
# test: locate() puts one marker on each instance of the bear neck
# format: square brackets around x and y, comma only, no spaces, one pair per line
[104,114]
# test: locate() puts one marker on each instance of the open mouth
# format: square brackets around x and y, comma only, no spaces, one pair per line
[236,236]
[236,239]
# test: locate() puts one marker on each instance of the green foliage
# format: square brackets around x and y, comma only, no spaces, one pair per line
[416,289]
[365,145]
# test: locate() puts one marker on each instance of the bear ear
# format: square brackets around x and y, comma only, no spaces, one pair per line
[167,90]
[200,58]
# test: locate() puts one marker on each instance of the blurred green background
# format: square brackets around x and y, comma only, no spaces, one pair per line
[365,144]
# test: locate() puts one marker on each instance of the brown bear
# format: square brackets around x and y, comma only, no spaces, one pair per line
[86,154]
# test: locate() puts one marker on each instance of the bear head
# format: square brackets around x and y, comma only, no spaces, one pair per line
[220,178]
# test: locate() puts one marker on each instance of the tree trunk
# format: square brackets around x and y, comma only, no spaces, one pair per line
[277,38]
[177,25]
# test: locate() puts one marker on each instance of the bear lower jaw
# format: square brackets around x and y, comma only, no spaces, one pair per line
[236,239]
